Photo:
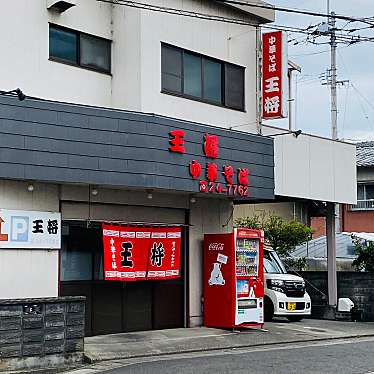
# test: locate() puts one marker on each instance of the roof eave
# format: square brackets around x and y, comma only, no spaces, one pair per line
[263,15]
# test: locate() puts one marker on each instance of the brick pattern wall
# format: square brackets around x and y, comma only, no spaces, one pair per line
[358,221]
[318,225]
[40,327]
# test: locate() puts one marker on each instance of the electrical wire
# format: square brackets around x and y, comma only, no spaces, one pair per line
[205,16]
[310,54]
[296,11]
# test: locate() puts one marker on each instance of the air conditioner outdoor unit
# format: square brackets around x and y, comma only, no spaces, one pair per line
[60,5]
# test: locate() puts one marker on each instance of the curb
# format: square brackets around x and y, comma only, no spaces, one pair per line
[90,360]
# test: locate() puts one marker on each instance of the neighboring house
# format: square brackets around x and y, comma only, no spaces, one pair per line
[360,217]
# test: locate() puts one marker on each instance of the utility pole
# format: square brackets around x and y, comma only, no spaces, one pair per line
[330,77]
[331,217]
[334,109]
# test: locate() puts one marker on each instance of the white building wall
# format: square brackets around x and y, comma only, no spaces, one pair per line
[25,272]
[25,61]
[226,42]
[315,168]
[135,83]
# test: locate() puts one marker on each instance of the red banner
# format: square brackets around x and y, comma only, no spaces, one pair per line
[274,75]
[140,253]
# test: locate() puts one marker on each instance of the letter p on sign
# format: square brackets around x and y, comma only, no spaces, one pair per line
[19,229]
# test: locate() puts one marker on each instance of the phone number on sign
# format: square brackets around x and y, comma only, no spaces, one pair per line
[229,189]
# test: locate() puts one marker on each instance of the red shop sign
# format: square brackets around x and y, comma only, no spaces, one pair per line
[141,253]
[274,75]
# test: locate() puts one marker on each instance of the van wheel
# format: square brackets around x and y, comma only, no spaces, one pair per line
[294,318]
[268,309]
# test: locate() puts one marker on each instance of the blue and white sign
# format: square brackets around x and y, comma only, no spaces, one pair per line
[30,229]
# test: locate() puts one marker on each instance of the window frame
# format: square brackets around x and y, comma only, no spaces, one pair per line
[364,185]
[78,49]
[223,79]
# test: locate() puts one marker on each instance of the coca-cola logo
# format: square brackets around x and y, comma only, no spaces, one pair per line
[216,246]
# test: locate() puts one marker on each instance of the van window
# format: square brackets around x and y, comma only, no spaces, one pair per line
[273,264]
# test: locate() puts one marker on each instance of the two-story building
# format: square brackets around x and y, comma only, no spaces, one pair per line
[107,85]
[123,106]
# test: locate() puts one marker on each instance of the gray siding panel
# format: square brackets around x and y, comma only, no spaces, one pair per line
[56,142]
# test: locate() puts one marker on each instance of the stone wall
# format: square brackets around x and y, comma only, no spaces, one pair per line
[41,332]
[358,286]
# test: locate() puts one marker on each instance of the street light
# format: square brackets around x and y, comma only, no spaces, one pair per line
[17,92]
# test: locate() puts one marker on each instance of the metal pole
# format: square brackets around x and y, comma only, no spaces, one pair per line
[334,110]
[290,99]
[331,254]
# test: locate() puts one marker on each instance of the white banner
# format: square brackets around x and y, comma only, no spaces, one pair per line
[30,229]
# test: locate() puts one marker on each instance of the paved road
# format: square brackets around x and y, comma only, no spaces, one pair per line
[339,356]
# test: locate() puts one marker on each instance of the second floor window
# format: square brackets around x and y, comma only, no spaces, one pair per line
[365,192]
[201,78]
[76,48]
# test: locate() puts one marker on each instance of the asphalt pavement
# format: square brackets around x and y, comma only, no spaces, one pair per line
[343,356]
[173,341]
[309,346]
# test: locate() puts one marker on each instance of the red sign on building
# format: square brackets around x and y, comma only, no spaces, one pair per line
[274,75]
[212,178]
[141,253]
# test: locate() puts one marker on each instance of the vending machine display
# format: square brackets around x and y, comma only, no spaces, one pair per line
[234,279]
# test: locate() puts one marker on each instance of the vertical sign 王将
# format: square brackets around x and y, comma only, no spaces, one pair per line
[274,75]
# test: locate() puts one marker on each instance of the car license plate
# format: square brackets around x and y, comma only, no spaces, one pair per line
[291,306]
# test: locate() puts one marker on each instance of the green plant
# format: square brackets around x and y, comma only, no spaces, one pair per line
[365,255]
[252,222]
[281,235]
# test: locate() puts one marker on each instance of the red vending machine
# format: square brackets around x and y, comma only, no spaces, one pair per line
[234,279]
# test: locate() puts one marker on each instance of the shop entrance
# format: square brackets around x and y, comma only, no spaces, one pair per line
[114,307]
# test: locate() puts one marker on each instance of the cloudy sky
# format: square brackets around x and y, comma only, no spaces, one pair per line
[355,63]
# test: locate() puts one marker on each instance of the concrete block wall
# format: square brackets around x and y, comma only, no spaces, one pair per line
[358,286]
[41,332]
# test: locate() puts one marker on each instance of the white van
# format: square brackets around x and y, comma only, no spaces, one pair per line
[285,294]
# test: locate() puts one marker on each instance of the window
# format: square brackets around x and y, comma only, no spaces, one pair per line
[234,91]
[202,78]
[63,45]
[172,69]
[213,81]
[79,49]
[273,264]
[192,75]
[365,192]
[82,254]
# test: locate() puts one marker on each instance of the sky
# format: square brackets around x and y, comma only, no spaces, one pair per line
[355,63]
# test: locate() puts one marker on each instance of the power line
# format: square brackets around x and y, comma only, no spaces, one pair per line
[310,54]
[194,14]
[205,16]
[296,11]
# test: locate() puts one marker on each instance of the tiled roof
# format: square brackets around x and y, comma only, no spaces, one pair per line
[365,154]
